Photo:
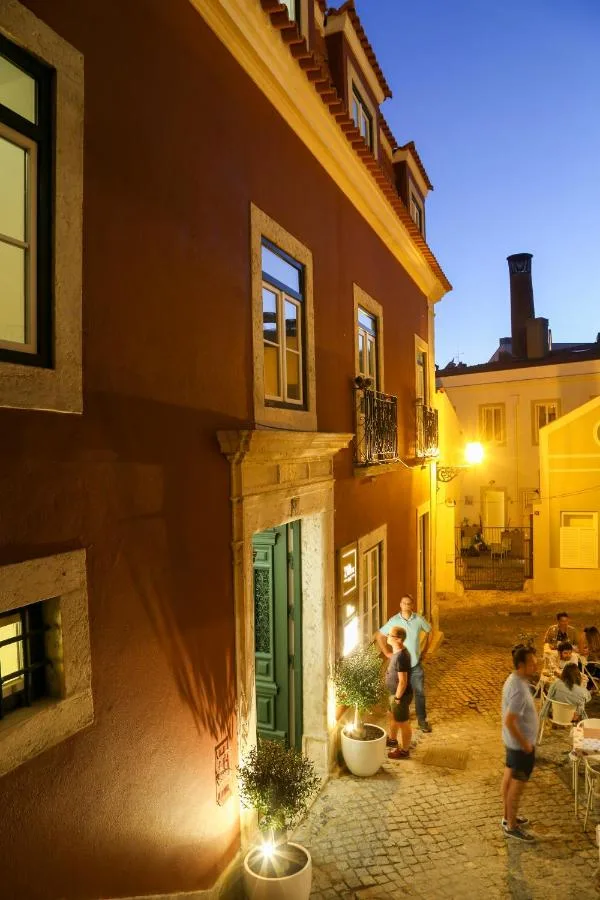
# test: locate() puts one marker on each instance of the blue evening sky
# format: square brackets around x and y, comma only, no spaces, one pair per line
[502,98]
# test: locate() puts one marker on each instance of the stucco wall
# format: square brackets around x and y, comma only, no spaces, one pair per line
[570,468]
[514,465]
[177,144]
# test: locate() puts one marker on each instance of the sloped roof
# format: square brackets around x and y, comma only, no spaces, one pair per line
[318,73]
[410,148]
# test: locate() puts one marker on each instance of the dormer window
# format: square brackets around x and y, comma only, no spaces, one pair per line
[416,211]
[362,117]
[292,8]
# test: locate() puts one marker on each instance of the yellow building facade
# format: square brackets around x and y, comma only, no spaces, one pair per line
[566,545]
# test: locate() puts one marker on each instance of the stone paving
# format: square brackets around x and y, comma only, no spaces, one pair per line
[421,831]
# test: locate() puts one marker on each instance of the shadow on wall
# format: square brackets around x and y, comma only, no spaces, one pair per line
[175,544]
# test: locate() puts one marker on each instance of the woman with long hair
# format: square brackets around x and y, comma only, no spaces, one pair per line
[589,646]
[568,689]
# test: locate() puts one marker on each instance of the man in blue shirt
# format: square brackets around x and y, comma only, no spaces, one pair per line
[414,625]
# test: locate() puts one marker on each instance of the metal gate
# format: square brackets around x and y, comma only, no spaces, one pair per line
[494,558]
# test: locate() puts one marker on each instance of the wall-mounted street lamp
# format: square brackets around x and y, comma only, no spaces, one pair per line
[473,456]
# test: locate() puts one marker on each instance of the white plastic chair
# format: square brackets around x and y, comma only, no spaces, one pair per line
[592,784]
[562,714]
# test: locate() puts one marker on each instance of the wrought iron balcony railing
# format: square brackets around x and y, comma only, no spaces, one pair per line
[427,438]
[376,425]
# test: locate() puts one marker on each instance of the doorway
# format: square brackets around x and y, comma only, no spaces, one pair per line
[277,581]
[494,508]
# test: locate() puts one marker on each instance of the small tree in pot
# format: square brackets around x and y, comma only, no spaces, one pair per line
[279,784]
[359,684]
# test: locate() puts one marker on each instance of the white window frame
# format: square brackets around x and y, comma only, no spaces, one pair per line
[29,244]
[290,416]
[366,303]
[281,298]
[354,82]
[536,406]
[367,347]
[361,116]
[579,542]
[367,544]
[58,388]
[422,374]
[486,408]
[27,732]
[415,207]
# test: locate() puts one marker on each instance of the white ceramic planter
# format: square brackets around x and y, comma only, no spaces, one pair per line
[364,758]
[292,887]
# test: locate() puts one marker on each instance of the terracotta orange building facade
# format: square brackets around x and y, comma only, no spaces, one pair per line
[220,477]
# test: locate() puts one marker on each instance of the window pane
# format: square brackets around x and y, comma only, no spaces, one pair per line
[355,113]
[291,6]
[17,90]
[369,323]
[270,328]
[372,357]
[11,656]
[282,271]
[291,326]
[361,353]
[351,636]
[293,375]
[272,386]
[13,162]
[12,294]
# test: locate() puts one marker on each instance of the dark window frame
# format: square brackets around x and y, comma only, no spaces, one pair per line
[300,297]
[42,133]
[35,658]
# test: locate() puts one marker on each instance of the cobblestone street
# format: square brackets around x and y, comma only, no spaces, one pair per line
[423,831]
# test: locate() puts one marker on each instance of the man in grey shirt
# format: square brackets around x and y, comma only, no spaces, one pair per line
[519,733]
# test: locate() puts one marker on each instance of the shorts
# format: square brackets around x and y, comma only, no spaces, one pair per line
[401,711]
[520,763]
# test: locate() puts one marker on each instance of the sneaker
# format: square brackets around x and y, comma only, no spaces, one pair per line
[521,820]
[391,742]
[398,754]
[426,727]
[519,835]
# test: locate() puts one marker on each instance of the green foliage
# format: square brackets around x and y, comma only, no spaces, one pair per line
[278,783]
[527,639]
[358,681]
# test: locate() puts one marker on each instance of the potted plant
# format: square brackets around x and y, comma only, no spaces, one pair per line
[359,684]
[278,783]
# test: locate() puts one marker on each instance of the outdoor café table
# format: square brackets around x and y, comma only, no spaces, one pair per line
[582,747]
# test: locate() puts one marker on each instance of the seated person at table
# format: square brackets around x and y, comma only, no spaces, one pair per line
[589,646]
[567,689]
[562,631]
[566,655]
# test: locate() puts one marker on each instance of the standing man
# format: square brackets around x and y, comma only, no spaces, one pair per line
[414,625]
[519,733]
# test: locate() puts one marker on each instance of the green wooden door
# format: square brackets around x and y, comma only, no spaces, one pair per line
[277,632]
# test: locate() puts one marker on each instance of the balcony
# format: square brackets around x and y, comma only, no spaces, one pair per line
[376,425]
[427,438]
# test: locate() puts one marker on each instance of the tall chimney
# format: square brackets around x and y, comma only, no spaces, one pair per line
[521,301]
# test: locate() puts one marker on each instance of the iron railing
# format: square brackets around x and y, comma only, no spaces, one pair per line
[376,425]
[427,437]
[494,558]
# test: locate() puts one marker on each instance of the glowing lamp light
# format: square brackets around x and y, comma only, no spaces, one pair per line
[473,453]
[267,849]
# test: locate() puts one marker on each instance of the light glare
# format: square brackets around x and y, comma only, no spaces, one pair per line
[268,849]
[473,453]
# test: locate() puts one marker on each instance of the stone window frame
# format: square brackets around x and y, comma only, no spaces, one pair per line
[59,388]
[263,226]
[61,579]
[364,301]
